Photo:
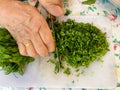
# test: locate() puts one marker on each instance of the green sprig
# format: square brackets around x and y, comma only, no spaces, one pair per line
[89,2]
[10,58]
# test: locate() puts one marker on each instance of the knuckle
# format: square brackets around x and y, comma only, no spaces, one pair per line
[31,8]
[28,19]
[51,49]
[32,55]
[23,53]
[43,53]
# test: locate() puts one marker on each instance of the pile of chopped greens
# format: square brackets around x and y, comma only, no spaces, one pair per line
[10,58]
[79,44]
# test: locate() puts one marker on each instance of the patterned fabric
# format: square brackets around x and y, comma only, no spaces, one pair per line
[100,8]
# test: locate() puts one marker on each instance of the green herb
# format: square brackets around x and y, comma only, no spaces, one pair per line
[57,65]
[67,12]
[50,19]
[10,58]
[77,70]
[78,74]
[89,2]
[101,60]
[67,71]
[37,4]
[79,44]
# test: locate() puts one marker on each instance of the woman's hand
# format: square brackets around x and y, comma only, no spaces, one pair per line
[28,27]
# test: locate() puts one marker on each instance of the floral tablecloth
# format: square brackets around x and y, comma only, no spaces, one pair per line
[100,8]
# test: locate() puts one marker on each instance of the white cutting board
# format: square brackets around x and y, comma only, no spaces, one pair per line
[40,73]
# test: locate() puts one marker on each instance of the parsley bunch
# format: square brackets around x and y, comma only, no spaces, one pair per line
[10,58]
[79,44]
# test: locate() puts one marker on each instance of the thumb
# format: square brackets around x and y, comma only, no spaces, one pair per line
[54,7]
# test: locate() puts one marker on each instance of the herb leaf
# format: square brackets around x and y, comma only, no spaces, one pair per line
[89,2]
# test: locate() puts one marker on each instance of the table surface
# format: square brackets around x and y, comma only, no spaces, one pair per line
[100,8]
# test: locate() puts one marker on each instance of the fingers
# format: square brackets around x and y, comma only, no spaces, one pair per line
[33,45]
[53,6]
[30,49]
[46,36]
[39,46]
[27,49]
[22,49]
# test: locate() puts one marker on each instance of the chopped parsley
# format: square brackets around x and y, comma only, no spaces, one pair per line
[79,44]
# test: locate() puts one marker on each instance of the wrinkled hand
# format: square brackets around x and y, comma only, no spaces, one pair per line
[28,27]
